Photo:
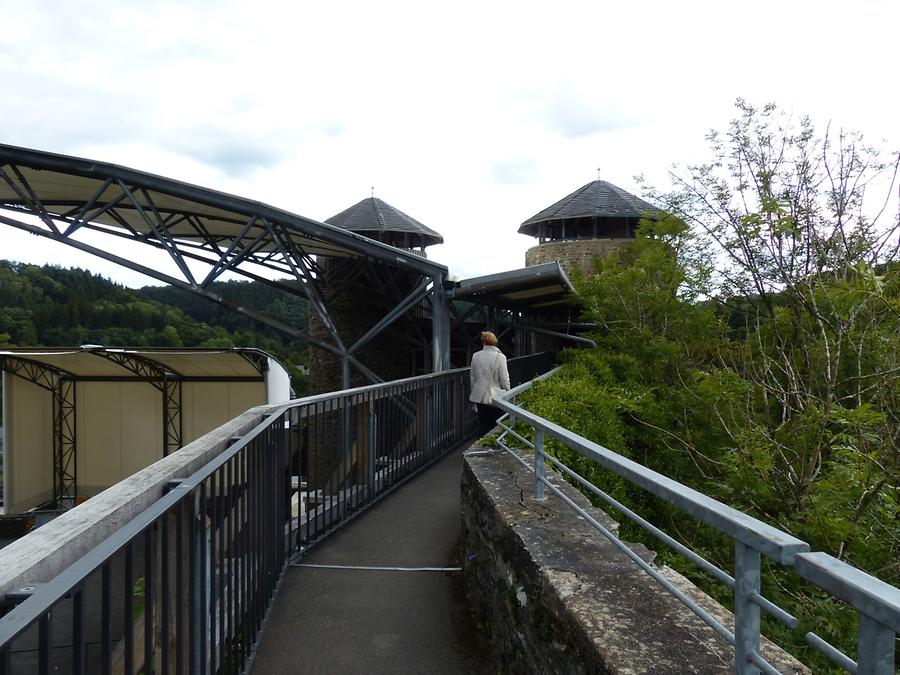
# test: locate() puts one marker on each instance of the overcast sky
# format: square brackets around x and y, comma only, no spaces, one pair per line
[469,117]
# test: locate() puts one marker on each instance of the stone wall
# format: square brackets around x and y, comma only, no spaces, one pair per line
[571,255]
[555,596]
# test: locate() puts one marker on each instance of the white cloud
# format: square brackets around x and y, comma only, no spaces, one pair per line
[470,117]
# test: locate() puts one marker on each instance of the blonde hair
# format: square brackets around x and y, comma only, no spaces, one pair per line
[488,338]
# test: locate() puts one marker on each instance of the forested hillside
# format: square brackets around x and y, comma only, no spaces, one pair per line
[54,307]
[749,346]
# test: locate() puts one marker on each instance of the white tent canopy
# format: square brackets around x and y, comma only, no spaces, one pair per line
[79,420]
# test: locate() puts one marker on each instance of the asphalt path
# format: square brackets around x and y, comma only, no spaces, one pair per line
[344,619]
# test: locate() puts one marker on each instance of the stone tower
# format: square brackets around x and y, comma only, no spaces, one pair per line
[360,292]
[587,224]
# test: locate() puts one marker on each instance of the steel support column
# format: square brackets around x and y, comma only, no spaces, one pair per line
[64,446]
[172,425]
[440,325]
[61,386]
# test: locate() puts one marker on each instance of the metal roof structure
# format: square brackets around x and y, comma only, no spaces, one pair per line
[597,199]
[372,215]
[60,198]
[65,196]
[537,288]
[214,227]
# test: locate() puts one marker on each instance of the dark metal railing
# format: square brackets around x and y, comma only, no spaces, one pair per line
[184,587]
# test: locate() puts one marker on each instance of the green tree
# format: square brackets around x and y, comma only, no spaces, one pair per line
[749,343]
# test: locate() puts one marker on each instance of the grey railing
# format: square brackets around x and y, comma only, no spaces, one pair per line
[184,587]
[878,603]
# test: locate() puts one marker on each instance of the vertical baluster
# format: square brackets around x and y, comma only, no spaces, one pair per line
[746,612]
[194,582]
[539,471]
[179,587]
[270,496]
[292,451]
[222,561]
[244,553]
[875,648]
[165,602]
[105,619]
[231,612]
[78,643]
[5,660]
[149,590]
[256,555]
[44,643]
[202,580]
[129,609]
[218,567]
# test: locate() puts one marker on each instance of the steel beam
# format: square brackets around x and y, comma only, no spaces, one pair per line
[440,325]
[419,292]
[64,443]
[304,276]
[172,417]
[556,334]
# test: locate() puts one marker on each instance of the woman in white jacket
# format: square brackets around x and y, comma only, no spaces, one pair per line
[488,369]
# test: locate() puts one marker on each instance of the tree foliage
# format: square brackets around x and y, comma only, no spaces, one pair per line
[750,347]
[54,307]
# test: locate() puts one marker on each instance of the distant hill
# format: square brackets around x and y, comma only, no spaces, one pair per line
[50,306]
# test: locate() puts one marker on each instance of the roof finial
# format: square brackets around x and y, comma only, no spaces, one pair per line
[373,192]
[598,173]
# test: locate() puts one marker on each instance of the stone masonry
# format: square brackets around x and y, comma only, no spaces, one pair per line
[572,255]
[555,596]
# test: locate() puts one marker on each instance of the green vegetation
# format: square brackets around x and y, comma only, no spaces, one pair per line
[54,307]
[749,346]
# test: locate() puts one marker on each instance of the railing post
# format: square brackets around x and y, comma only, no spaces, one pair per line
[372,450]
[538,464]
[746,612]
[874,648]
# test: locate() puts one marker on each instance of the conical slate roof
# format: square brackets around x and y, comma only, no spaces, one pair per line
[374,215]
[597,199]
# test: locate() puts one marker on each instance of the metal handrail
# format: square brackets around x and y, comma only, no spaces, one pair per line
[877,602]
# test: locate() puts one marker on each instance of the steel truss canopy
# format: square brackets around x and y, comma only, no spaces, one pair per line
[63,196]
[70,193]
[536,289]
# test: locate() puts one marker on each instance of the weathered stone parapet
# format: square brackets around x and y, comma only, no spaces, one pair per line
[555,596]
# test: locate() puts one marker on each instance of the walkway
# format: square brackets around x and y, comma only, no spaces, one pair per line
[365,621]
